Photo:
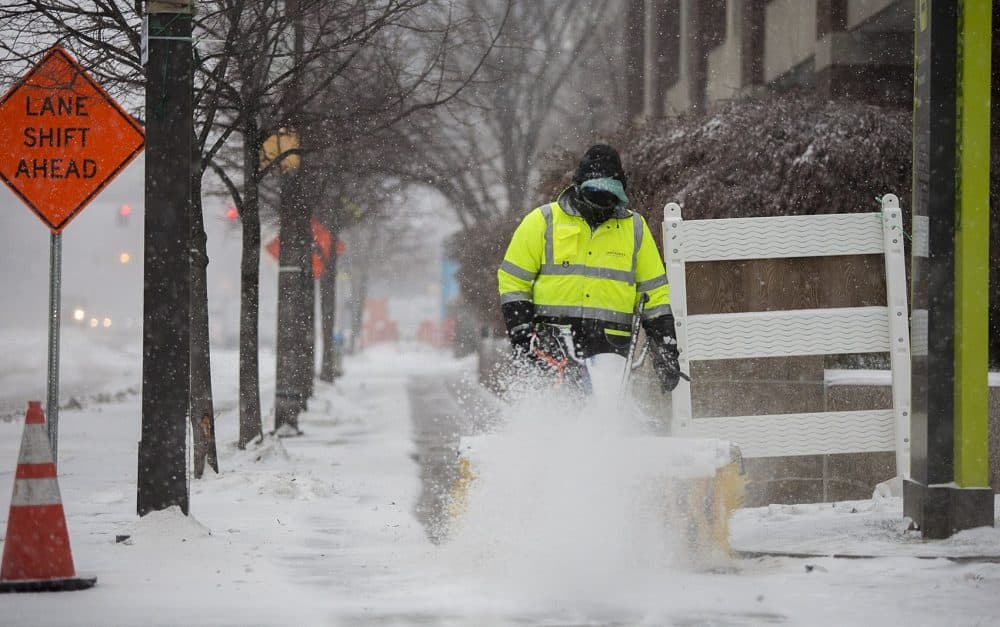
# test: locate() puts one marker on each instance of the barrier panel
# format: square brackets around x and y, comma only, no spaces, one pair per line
[802,332]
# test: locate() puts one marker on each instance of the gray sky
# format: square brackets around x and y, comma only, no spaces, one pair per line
[95,280]
[93,276]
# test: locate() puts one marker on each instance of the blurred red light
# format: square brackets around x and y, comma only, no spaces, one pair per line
[124,210]
[232,213]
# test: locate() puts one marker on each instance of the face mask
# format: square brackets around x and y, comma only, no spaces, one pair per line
[592,212]
[599,198]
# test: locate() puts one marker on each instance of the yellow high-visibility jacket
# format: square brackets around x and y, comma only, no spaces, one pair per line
[567,270]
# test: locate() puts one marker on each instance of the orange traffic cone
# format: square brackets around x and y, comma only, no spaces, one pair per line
[36,553]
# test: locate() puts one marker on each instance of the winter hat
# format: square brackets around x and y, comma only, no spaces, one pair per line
[601,171]
[601,161]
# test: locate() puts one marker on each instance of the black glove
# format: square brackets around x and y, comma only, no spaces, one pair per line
[520,339]
[663,347]
[519,318]
[665,363]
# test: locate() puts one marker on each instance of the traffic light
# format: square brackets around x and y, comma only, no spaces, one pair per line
[123,213]
[231,218]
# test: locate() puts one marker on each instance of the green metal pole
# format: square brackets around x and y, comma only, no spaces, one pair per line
[972,245]
[948,490]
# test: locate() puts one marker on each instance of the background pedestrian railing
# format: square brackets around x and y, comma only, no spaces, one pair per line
[830,331]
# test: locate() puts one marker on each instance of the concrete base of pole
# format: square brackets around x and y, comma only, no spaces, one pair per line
[940,511]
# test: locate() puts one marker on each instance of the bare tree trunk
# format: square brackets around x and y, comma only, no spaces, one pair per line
[309,311]
[359,292]
[294,318]
[328,311]
[295,273]
[361,263]
[202,411]
[251,426]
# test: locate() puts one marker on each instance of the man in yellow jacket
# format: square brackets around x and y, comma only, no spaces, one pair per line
[585,261]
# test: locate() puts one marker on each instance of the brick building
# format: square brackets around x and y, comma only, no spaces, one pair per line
[684,54]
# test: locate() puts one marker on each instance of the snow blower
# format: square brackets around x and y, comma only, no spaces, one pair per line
[702,478]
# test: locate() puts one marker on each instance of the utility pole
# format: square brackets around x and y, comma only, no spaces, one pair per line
[295,296]
[166,350]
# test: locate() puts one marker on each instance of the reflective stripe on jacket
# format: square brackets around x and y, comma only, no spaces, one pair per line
[568,270]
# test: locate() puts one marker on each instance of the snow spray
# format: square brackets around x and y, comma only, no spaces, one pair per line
[560,506]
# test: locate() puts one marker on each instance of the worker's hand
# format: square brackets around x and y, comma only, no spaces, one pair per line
[520,339]
[665,363]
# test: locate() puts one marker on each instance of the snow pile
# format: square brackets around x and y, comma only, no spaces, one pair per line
[168,526]
[267,451]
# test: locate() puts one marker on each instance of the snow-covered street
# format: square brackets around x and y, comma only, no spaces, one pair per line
[337,527]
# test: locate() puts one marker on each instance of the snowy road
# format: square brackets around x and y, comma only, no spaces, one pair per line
[92,363]
[338,527]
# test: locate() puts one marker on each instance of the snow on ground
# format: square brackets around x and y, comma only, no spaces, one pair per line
[852,528]
[323,530]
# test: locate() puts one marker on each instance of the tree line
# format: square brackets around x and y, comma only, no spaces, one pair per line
[324,110]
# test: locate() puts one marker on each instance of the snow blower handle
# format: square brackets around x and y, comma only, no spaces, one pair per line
[632,345]
[680,374]
[683,376]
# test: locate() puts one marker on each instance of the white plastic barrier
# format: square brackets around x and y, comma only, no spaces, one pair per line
[795,332]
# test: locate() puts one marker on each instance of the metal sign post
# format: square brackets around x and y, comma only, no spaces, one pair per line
[55,290]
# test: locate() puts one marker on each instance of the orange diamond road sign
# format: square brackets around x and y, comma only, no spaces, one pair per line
[62,138]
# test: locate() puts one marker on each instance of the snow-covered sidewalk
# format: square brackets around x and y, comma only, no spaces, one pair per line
[854,529]
[323,530]
[280,518]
